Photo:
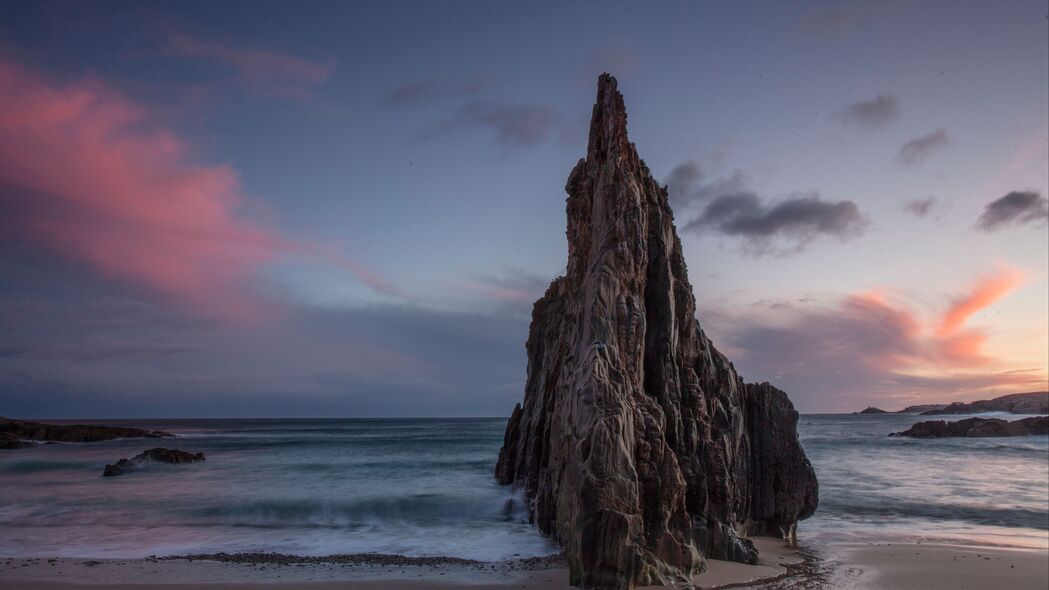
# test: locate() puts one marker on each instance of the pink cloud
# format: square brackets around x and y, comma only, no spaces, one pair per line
[870,346]
[949,346]
[88,174]
[983,293]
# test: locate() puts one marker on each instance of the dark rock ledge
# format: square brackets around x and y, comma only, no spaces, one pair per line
[977,427]
[16,434]
[158,455]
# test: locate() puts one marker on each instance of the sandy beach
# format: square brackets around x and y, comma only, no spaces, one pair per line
[946,567]
[900,566]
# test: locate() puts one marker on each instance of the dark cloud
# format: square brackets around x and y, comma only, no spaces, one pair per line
[425,91]
[72,345]
[382,360]
[871,113]
[728,206]
[782,227]
[686,185]
[920,207]
[515,125]
[915,151]
[683,181]
[839,17]
[1015,208]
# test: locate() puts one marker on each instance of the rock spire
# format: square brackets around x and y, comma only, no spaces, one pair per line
[639,447]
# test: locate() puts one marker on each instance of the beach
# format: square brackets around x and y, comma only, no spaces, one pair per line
[900,566]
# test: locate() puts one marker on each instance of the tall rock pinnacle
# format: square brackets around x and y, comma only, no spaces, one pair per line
[640,448]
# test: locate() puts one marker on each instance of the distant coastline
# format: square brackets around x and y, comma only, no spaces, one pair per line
[1033,402]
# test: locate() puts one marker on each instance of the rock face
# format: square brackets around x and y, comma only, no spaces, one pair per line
[640,448]
[1036,402]
[158,455]
[977,427]
[24,430]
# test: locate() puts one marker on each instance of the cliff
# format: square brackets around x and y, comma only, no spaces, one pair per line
[1036,402]
[640,448]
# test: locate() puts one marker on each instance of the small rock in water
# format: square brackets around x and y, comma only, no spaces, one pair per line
[159,455]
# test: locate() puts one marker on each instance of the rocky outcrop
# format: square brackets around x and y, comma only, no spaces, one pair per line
[13,442]
[871,410]
[977,427]
[783,488]
[918,409]
[1036,402]
[640,448]
[24,430]
[158,455]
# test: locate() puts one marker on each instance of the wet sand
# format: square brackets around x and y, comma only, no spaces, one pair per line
[943,567]
[856,566]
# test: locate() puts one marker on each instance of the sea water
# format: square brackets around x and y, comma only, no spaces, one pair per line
[425,487]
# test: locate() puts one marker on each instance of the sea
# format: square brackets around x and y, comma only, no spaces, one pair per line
[425,487]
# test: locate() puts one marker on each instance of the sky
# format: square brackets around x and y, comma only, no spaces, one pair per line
[347,208]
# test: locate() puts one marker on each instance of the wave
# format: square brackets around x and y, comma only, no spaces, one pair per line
[39,466]
[416,509]
[982,515]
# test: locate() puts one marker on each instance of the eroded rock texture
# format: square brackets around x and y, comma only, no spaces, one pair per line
[640,448]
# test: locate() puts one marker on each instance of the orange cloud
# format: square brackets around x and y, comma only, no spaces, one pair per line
[86,172]
[869,347]
[949,346]
[983,293]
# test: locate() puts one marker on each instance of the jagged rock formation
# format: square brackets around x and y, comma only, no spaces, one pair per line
[639,446]
[977,428]
[157,455]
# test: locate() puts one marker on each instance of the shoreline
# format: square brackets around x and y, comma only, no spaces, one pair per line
[850,565]
[243,571]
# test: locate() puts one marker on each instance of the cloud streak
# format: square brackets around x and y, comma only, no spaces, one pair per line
[275,73]
[1014,209]
[982,294]
[919,149]
[920,207]
[875,112]
[515,125]
[433,89]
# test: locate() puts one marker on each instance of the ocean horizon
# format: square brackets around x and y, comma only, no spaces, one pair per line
[425,487]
